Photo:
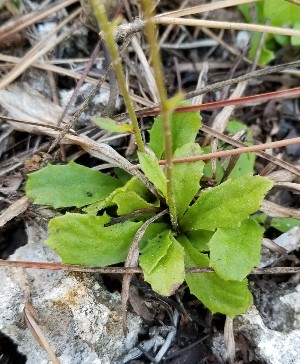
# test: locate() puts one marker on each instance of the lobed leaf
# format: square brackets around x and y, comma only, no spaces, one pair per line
[69,185]
[184,129]
[84,240]
[227,204]
[154,172]
[186,177]
[228,297]
[163,263]
[235,251]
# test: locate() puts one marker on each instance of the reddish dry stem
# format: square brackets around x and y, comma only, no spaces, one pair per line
[239,101]
[124,270]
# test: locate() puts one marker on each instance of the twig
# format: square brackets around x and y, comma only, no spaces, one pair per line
[30,319]
[264,155]
[80,82]
[234,101]
[170,337]
[41,48]
[123,270]
[7,30]
[198,9]
[86,102]
[132,262]
[221,84]
[227,25]
[226,153]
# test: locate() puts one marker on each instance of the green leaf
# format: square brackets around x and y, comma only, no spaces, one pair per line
[163,263]
[199,239]
[69,185]
[281,14]
[184,129]
[152,231]
[112,126]
[129,201]
[227,204]
[234,252]
[153,171]
[284,224]
[234,126]
[228,297]
[132,185]
[84,240]
[186,177]
[243,166]
[207,171]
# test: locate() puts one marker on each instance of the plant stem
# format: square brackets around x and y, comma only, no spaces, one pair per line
[107,29]
[165,113]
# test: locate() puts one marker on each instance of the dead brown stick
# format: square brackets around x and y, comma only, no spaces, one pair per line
[227,153]
[16,25]
[123,270]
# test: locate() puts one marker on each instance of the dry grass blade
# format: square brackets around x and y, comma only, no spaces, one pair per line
[62,71]
[146,69]
[229,340]
[30,319]
[132,262]
[16,25]
[274,210]
[219,85]
[89,99]
[294,187]
[227,25]
[205,7]
[287,166]
[41,48]
[14,210]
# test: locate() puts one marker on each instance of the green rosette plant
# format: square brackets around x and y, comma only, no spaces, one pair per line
[215,228]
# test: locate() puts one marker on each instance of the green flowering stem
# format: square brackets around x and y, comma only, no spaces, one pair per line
[165,108]
[107,29]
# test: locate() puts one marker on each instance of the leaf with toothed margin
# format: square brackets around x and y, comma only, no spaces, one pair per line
[234,252]
[154,172]
[227,204]
[85,240]
[228,297]
[162,261]
[69,185]
[184,129]
[186,177]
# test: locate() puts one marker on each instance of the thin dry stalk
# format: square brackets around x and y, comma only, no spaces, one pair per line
[204,8]
[227,25]
[132,261]
[16,25]
[41,48]
[227,153]
[30,319]
[62,71]
[123,270]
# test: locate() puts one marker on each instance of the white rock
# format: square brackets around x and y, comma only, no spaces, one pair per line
[289,241]
[272,346]
[80,319]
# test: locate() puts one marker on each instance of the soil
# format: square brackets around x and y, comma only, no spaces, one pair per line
[24,149]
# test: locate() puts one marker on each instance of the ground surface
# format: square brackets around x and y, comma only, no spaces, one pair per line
[192,58]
